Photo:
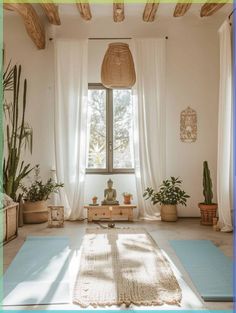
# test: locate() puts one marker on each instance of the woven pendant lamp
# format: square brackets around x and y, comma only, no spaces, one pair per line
[118,67]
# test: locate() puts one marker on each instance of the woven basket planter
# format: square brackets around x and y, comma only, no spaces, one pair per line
[118,67]
[35,212]
[10,222]
[208,213]
[169,213]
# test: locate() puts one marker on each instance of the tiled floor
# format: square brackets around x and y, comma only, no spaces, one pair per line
[162,232]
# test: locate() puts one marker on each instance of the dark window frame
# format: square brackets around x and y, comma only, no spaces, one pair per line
[109,136]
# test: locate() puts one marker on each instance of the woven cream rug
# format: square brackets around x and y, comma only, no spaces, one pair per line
[124,266]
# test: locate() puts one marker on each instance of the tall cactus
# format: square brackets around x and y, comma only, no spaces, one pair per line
[207,184]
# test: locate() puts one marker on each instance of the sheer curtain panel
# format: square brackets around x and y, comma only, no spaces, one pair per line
[149,111]
[225,131]
[71,87]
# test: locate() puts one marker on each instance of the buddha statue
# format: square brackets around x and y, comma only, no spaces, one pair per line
[110,195]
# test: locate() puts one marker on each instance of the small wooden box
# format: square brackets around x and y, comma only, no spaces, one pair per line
[55,216]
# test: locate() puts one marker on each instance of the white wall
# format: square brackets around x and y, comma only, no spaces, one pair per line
[192,80]
[37,67]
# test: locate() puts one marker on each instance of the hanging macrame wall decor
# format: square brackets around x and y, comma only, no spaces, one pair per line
[118,67]
[188,125]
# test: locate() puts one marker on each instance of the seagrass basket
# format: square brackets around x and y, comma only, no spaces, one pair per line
[169,213]
[118,67]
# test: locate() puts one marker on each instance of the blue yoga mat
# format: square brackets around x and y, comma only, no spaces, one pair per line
[39,273]
[210,270]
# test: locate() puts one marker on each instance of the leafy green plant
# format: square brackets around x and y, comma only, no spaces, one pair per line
[207,184]
[39,191]
[18,135]
[169,193]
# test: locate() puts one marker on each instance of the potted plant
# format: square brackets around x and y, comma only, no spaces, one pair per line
[19,134]
[17,137]
[169,196]
[127,197]
[35,196]
[94,199]
[207,208]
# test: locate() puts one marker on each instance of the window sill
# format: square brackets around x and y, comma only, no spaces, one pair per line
[105,172]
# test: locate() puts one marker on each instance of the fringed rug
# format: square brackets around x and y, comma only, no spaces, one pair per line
[124,266]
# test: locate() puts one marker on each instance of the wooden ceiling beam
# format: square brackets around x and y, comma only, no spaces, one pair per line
[182,8]
[118,11]
[84,10]
[150,11]
[209,8]
[51,11]
[31,21]
[8,7]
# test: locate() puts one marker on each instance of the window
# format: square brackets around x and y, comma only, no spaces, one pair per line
[110,130]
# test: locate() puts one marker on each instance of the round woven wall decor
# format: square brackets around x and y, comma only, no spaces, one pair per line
[118,67]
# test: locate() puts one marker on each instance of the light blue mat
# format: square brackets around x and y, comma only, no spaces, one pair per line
[210,270]
[39,273]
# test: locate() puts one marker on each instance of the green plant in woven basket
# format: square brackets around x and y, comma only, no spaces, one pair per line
[170,193]
[39,191]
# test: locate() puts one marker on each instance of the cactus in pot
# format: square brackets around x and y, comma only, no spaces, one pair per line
[208,208]
[207,184]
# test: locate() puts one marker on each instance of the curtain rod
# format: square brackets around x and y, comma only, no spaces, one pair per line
[109,38]
[127,38]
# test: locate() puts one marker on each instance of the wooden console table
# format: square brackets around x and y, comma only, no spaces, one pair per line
[109,212]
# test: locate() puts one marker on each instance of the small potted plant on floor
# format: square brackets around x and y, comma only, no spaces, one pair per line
[127,197]
[207,208]
[169,196]
[35,196]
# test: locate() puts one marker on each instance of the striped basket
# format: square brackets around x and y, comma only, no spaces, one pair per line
[208,213]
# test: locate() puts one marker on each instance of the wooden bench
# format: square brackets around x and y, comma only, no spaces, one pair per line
[109,212]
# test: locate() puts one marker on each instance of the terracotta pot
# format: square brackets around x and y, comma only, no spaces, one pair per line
[95,200]
[127,199]
[35,212]
[208,213]
[169,213]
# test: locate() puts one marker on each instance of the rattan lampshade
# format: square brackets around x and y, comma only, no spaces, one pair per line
[118,67]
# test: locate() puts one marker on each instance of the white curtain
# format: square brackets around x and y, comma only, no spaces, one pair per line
[225,130]
[70,122]
[149,111]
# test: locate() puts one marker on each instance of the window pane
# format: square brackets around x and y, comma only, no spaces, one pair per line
[123,156]
[96,129]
